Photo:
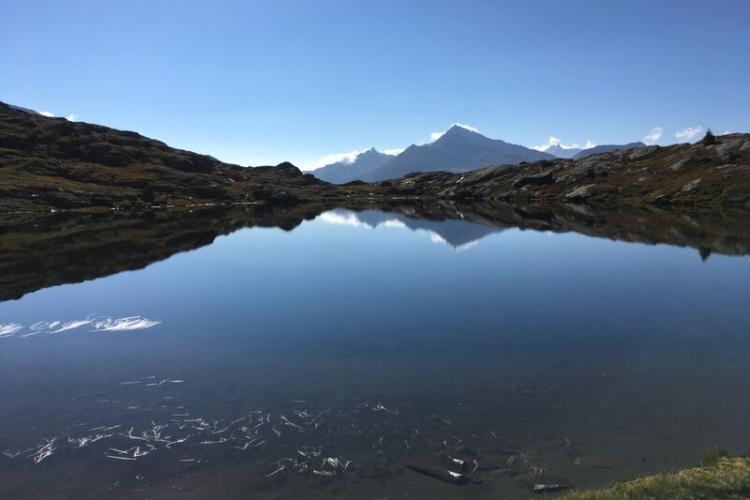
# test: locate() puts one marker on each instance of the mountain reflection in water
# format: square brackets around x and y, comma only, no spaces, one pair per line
[459,234]
[41,251]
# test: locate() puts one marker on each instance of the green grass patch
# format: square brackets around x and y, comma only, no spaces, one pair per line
[724,477]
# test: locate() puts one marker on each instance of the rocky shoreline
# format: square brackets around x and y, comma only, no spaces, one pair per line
[706,174]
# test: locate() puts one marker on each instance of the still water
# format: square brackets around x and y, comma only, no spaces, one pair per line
[354,353]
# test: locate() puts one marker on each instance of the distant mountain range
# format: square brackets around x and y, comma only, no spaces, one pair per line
[342,172]
[577,153]
[607,148]
[458,150]
[561,152]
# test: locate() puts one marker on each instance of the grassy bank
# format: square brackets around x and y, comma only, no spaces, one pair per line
[726,477]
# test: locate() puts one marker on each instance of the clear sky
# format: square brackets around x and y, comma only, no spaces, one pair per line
[261,81]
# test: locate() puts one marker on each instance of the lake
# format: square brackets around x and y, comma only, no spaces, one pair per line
[362,353]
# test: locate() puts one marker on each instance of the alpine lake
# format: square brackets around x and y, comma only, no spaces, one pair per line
[377,354]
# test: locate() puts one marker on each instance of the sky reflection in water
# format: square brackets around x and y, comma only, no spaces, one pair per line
[368,338]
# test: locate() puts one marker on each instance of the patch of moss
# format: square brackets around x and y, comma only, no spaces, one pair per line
[726,478]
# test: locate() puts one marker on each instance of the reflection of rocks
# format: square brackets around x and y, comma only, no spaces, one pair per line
[38,252]
[708,230]
[42,251]
[724,232]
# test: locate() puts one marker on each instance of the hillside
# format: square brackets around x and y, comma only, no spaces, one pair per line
[53,164]
[698,174]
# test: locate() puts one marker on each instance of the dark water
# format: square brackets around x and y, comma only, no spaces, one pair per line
[320,362]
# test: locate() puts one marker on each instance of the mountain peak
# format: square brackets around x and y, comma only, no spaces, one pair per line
[460,130]
[353,167]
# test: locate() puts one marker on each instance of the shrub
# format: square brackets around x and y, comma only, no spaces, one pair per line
[712,455]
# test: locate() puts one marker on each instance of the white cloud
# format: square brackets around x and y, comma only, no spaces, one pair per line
[71,117]
[394,223]
[689,133]
[342,218]
[436,238]
[552,141]
[434,136]
[467,246]
[467,127]
[653,136]
[555,141]
[394,151]
[347,157]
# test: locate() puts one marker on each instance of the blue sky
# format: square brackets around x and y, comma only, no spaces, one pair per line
[259,82]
